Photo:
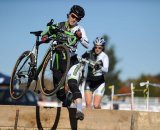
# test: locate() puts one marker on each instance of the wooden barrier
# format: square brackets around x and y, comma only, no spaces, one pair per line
[39,118]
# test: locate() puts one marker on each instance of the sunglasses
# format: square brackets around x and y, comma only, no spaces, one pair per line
[75,17]
[100,48]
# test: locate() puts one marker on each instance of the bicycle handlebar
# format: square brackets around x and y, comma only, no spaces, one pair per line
[83,60]
[90,62]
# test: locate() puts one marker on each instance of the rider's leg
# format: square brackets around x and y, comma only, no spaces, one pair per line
[68,99]
[61,94]
[98,93]
[88,98]
[56,78]
[59,69]
[97,101]
[77,97]
[65,97]
[88,94]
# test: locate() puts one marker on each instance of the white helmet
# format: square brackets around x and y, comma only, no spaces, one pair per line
[99,41]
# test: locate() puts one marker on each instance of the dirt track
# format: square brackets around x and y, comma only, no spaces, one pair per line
[21,117]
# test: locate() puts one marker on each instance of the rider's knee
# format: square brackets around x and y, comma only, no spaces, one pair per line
[73,86]
[77,95]
[61,94]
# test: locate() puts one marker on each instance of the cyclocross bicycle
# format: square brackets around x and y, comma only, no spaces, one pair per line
[26,69]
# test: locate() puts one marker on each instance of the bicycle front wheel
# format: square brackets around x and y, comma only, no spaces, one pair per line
[21,76]
[54,70]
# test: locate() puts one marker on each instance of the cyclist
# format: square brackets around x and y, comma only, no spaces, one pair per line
[95,84]
[74,16]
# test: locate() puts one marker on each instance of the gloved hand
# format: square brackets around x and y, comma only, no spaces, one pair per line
[44,38]
[78,34]
[98,65]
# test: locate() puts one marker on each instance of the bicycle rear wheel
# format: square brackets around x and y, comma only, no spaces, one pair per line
[54,71]
[21,76]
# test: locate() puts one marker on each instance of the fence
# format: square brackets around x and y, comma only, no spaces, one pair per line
[131,94]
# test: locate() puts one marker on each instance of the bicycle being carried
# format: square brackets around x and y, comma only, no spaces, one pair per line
[26,69]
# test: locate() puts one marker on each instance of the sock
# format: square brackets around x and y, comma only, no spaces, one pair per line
[79,106]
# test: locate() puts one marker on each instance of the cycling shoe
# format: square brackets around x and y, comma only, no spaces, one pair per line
[79,115]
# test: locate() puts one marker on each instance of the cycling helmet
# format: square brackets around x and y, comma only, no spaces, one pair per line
[78,10]
[99,41]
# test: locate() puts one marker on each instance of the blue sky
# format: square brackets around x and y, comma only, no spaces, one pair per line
[133,27]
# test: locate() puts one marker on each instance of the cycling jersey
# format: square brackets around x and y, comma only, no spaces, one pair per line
[95,80]
[65,26]
[83,40]
[105,63]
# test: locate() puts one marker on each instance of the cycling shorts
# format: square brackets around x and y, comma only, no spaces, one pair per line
[99,91]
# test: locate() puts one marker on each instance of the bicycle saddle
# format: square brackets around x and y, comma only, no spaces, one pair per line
[36,33]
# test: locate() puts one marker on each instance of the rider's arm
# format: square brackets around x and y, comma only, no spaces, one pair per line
[105,66]
[84,40]
[49,30]
[45,35]
[45,32]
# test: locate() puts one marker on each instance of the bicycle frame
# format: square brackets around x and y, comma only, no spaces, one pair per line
[71,40]
[35,53]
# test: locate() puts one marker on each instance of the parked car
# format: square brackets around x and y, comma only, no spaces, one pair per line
[29,98]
